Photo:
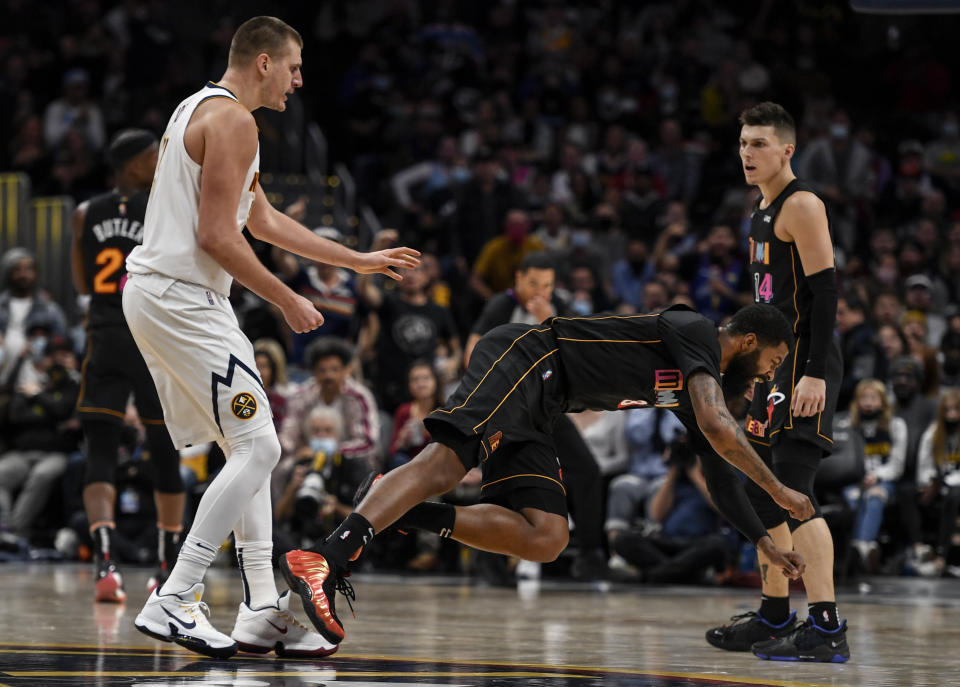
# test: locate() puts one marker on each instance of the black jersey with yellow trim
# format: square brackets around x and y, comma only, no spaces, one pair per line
[112,227]
[617,362]
[775,266]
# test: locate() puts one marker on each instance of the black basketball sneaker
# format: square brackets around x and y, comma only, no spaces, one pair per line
[747,629]
[808,642]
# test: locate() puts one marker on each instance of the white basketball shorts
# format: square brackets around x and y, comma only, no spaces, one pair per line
[201,362]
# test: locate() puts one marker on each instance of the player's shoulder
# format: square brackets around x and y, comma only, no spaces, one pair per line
[804,202]
[225,116]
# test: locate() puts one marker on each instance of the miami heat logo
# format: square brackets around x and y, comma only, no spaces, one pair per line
[773,398]
[244,406]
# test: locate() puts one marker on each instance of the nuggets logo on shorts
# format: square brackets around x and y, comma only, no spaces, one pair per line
[244,406]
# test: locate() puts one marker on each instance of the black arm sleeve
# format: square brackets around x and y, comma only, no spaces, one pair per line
[823,320]
[729,496]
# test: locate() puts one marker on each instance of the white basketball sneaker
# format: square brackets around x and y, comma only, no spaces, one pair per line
[275,628]
[182,618]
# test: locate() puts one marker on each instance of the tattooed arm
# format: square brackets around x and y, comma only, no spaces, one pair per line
[725,436]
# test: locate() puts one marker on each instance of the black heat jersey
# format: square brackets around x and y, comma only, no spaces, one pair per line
[112,227]
[113,366]
[521,378]
[778,280]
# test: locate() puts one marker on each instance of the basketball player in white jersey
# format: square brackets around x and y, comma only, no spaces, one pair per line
[175,300]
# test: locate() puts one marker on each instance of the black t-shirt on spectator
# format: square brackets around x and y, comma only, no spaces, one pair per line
[504,308]
[408,332]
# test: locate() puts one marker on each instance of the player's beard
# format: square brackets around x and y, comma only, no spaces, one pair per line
[741,372]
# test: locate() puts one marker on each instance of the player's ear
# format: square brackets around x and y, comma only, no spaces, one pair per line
[263,61]
[789,150]
[749,343]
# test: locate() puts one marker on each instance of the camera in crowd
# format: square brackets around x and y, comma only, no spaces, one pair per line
[679,452]
[313,489]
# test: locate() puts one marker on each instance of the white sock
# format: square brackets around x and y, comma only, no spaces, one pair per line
[256,571]
[249,464]
[254,538]
[195,557]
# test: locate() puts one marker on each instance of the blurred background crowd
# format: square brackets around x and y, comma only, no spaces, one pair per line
[547,158]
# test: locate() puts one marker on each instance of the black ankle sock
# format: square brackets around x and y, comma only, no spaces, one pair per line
[824,614]
[102,543]
[353,534]
[430,517]
[775,609]
[168,546]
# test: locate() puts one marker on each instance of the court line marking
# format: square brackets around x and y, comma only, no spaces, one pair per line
[330,674]
[702,677]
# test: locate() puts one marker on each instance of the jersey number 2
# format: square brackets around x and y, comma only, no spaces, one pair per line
[763,289]
[112,260]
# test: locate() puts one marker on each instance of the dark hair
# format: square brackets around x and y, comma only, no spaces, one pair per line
[853,302]
[771,114]
[437,386]
[538,260]
[765,321]
[261,35]
[326,347]
[127,144]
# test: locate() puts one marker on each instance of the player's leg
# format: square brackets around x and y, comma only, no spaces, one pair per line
[99,495]
[101,408]
[169,495]
[823,636]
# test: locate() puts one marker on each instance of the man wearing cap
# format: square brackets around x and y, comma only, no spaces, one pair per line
[332,289]
[105,229]
[919,296]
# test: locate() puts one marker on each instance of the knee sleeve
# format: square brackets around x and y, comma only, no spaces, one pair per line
[103,442]
[165,461]
[795,463]
[263,450]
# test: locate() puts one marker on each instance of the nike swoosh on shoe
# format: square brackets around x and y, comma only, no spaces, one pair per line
[282,631]
[188,626]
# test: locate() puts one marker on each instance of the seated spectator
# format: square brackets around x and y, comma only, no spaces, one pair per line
[332,289]
[331,386]
[950,351]
[938,477]
[412,327]
[500,257]
[862,357]
[272,366]
[882,439]
[631,272]
[553,231]
[684,542]
[409,435]
[717,274]
[604,433]
[892,342]
[648,433]
[320,491]
[914,328]
[42,429]
[23,305]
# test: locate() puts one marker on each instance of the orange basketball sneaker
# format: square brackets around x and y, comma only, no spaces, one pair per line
[311,576]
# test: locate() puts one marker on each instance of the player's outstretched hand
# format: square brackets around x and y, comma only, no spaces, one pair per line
[809,397]
[302,315]
[796,504]
[383,261]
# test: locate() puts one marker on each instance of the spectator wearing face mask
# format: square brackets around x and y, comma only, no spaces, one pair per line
[882,439]
[43,430]
[500,258]
[24,306]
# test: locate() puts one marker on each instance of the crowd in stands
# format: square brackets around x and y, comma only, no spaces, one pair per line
[547,158]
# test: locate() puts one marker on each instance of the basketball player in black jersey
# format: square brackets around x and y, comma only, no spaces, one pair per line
[105,230]
[520,380]
[791,419]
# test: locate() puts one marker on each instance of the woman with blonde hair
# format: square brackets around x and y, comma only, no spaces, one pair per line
[884,445]
[938,474]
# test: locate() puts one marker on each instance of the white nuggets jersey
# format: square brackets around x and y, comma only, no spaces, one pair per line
[170,228]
